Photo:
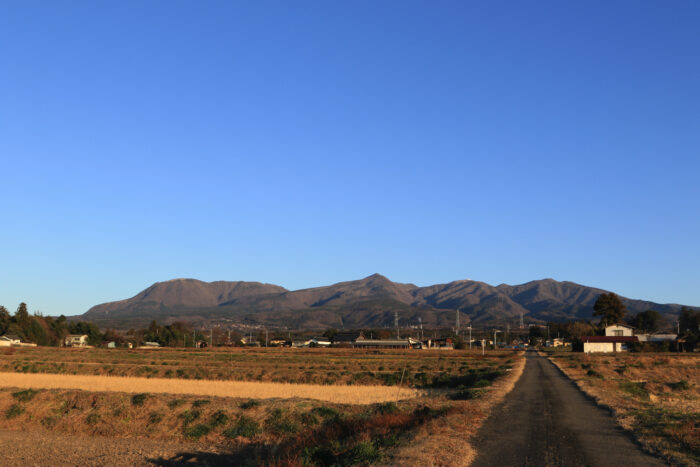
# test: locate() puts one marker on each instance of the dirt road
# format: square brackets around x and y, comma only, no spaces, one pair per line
[547,421]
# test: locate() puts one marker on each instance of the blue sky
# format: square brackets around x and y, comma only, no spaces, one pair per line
[305,143]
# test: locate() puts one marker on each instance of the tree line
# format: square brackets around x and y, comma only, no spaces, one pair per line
[44,330]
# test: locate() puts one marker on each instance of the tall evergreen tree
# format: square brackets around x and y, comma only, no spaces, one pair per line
[610,309]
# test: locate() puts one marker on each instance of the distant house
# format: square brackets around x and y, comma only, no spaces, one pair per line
[250,341]
[657,337]
[346,339]
[556,342]
[149,346]
[382,344]
[439,343]
[111,345]
[593,344]
[76,340]
[9,340]
[619,330]
[279,343]
[301,343]
[320,342]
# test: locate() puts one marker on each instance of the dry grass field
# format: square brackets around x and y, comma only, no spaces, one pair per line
[656,396]
[341,394]
[362,419]
[272,365]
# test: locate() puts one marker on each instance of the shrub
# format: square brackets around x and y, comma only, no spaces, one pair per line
[138,399]
[49,422]
[467,394]
[635,389]
[249,404]
[15,410]
[155,418]
[387,408]
[326,412]
[594,374]
[26,395]
[681,385]
[200,402]
[218,418]
[279,423]
[363,453]
[245,427]
[92,419]
[188,416]
[309,419]
[175,403]
[197,431]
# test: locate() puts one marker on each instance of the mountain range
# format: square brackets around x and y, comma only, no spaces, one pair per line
[369,302]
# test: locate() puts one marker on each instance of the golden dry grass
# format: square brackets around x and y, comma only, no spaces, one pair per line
[641,391]
[335,394]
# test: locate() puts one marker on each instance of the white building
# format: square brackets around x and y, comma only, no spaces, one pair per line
[619,330]
[9,340]
[76,340]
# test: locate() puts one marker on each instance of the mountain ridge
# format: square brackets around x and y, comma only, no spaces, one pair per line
[371,301]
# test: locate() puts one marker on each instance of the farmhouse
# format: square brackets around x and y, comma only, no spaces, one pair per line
[657,337]
[382,344]
[9,339]
[440,343]
[346,339]
[618,330]
[76,340]
[279,343]
[593,344]
[301,343]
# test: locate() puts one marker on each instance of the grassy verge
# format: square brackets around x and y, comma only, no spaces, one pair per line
[657,397]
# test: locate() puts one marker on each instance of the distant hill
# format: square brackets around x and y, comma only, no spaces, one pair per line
[368,302]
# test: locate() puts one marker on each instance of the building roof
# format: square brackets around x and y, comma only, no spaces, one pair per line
[384,342]
[347,336]
[610,339]
[622,325]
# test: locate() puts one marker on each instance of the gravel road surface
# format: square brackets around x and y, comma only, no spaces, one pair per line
[547,421]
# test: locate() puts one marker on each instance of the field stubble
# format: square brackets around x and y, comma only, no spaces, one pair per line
[451,389]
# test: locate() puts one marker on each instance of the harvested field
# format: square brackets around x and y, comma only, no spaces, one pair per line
[449,394]
[656,396]
[337,394]
[273,365]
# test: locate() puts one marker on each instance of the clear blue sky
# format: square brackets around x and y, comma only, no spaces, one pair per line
[308,143]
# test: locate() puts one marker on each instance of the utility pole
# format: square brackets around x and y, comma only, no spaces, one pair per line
[211,337]
[396,323]
[265,337]
[457,323]
[483,346]
[194,338]
[507,333]
[470,337]
[494,338]
[420,320]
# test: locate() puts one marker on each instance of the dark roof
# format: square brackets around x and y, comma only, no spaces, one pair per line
[610,339]
[347,336]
